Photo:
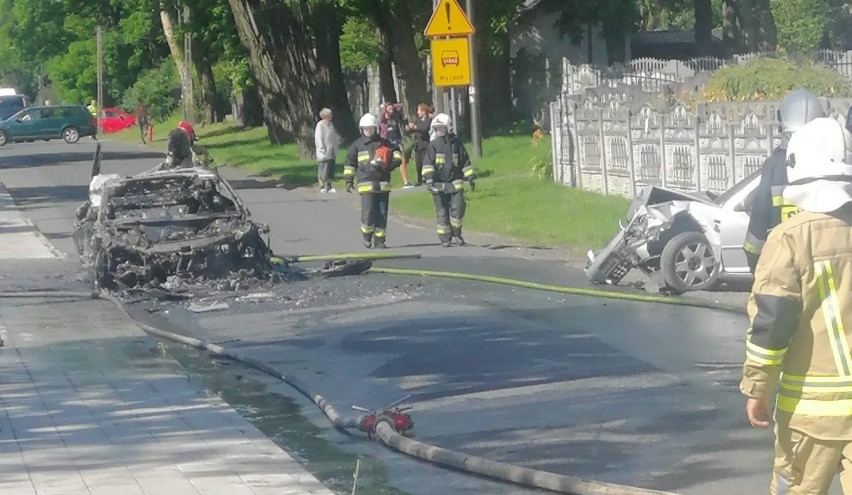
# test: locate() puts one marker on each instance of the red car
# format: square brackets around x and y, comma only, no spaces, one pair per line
[115,119]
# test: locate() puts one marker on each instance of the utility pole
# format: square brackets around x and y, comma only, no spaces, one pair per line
[100,71]
[475,131]
[437,91]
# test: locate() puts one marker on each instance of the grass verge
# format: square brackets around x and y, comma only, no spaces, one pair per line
[508,200]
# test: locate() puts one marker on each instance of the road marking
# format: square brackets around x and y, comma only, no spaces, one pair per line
[19,238]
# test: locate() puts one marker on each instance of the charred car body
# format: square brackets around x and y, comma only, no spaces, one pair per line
[136,232]
[681,241]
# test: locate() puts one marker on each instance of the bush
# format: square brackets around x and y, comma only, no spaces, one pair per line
[771,79]
[156,88]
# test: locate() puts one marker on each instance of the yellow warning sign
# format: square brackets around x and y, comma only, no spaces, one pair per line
[448,19]
[451,62]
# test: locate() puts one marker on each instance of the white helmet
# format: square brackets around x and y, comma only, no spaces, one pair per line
[798,108]
[441,120]
[819,166]
[368,120]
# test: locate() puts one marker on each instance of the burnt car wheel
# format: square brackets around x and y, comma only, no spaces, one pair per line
[71,135]
[688,263]
[101,275]
[4,139]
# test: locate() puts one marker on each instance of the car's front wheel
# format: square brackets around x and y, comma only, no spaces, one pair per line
[4,138]
[688,263]
[71,135]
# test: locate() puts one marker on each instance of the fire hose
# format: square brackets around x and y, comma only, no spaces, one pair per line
[390,425]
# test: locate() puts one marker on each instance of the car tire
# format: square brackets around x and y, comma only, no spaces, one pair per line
[689,264]
[71,135]
[4,139]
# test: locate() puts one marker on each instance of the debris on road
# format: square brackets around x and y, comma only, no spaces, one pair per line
[206,308]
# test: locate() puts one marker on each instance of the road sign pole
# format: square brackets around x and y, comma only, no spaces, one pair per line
[475,131]
[437,92]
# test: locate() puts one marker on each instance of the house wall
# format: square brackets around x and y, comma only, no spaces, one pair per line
[537,51]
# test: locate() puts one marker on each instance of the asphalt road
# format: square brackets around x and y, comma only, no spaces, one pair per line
[634,393]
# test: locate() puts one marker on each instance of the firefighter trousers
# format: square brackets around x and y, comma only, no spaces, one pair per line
[449,210]
[374,214]
[806,466]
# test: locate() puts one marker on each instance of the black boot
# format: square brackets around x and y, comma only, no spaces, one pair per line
[457,233]
[379,243]
[368,240]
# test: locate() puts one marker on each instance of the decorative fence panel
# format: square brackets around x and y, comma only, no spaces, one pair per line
[618,130]
[618,147]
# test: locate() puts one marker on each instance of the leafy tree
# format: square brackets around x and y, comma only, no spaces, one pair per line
[801,24]
[360,44]
[156,88]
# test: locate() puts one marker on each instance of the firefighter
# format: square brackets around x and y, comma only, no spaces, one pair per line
[445,168]
[802,295]
[767,206]
[370,160]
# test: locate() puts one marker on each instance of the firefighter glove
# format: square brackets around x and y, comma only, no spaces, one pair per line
[472,184]
[350,185]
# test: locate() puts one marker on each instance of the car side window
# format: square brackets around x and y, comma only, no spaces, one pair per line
[46,113]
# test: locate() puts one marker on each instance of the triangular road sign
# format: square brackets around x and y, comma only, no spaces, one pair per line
[448,19]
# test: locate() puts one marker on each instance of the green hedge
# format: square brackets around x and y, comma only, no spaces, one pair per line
[771,79]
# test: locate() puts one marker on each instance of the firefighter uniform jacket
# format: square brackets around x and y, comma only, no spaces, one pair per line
[799,309]
[447,164]
[768,208]
[360,165]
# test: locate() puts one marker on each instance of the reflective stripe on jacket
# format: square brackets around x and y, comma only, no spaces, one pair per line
[447,161]
[799,308]
[766,201]
[359,165]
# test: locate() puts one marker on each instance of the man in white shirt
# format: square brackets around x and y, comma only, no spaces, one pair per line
[327,144]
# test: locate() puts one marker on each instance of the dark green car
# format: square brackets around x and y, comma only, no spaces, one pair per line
[68,122]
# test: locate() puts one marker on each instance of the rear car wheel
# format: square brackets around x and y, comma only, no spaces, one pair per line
[688,263]
[4,139]
[71,135]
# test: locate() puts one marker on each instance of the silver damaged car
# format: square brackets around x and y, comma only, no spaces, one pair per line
[681,241]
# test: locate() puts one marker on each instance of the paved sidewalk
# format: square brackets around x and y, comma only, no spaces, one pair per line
[19,238]
[88,405]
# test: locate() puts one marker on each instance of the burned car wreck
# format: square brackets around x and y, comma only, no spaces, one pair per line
[144,230]
[680,241]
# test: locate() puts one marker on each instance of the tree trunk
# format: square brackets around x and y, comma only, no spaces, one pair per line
[169,33]
[409,67]
[328,28]
[495,69]
[282,57]
[703,27]
[204,70]
[731,35]
[386,80]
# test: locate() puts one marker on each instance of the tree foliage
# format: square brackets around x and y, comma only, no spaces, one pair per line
[801,24]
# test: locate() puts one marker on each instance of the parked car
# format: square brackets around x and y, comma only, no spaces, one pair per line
[681,241]
[115,120]
[69,122]
[11,104]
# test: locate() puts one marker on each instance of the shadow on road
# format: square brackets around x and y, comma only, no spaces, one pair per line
[27,196]
[44,159]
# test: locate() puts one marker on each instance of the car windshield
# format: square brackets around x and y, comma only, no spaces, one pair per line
[739,186]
